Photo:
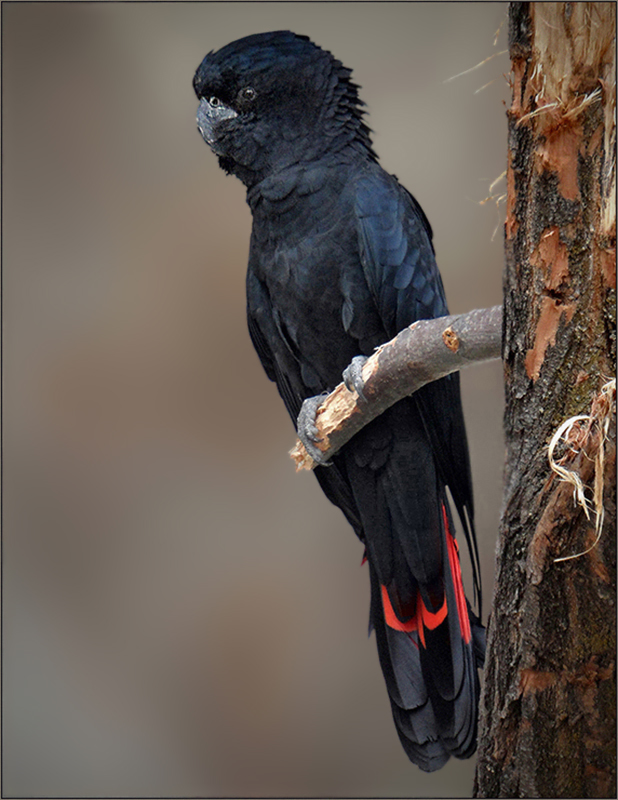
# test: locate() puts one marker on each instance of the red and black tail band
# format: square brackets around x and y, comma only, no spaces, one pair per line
[429,651]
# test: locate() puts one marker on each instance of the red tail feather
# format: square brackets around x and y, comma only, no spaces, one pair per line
[460,597]
[421,617]
[392,620]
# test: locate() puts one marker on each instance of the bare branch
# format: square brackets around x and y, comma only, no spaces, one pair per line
[424,352]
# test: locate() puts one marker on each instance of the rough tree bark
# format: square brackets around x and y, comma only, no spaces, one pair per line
[548,708]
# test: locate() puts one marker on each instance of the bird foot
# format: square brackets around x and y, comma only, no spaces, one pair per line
[307,430]
[353,377]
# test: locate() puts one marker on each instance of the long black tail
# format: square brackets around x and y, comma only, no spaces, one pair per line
[429,661]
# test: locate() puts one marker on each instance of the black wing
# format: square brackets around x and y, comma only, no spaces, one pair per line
[397,256]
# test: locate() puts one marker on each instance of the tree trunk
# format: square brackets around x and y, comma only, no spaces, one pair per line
[548,707]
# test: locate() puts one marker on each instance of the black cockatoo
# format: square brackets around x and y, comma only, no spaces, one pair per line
[341,259]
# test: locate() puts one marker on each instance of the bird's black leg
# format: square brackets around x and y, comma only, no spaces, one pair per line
[353,376]
[307,431]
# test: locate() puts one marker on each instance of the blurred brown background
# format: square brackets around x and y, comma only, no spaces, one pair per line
[183,614]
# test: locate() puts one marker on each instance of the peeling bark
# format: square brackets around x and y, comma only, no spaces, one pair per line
[547,722]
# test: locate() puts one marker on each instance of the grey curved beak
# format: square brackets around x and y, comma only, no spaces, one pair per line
[208,117]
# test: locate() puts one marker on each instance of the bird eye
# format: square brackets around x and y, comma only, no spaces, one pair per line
[214,101]
[248,93]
